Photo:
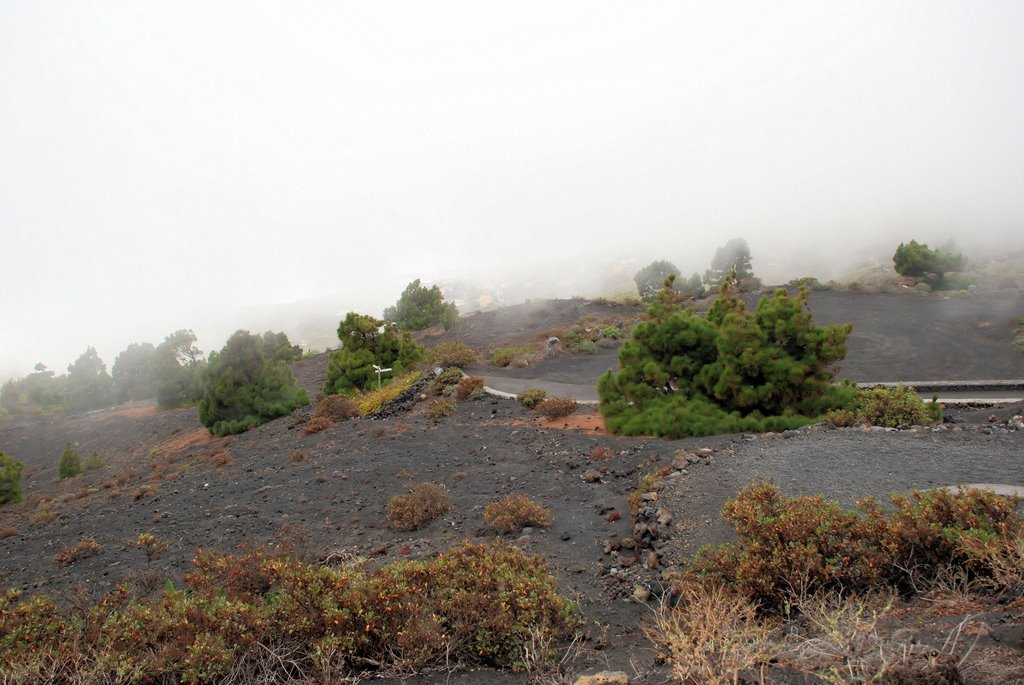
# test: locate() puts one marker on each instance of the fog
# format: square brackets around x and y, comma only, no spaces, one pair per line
[201,165]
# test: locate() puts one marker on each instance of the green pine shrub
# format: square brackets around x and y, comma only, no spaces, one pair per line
[70,464]
[365,342]
[247,384]
[682,374]
[10,480]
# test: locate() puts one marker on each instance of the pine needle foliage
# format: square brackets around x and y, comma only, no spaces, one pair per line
[682,374]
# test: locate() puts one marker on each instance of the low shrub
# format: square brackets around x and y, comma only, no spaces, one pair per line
[315,424]
[557,407]
[515,512]
[70,465]
[424,503]
[792,547]
[470,386]
[612,332]
[445,382]
[474,605]
[86,547]
[896,406]
[504,356]
[10,479]
[143,491]
[842,418]
[152,545]
[451,353]
[577,343]
[531,397]
[336,408]
[441,408]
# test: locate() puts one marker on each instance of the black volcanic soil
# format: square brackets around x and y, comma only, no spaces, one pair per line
[328,491]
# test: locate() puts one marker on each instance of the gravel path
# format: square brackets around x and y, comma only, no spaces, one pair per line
[842,464]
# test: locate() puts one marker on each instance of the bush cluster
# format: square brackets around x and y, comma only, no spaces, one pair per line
[557,407]
[531,397]
[802,545]
[420,307]
[262,618]
[682,374]
[577,343]
[504,356]
[445,382]
[515,512]
[469,387]
[441,408]
[887,406]
[85,548]
[451,353]
[424,503]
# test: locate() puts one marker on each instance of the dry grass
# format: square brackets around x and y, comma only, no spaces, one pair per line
[43,515]
[515,512]
[452,353]
[847,642]
[8,532]
[439,409]
[86,547]
[710,637]
[297,456]
[336,408]
[424,503]
[601,453]
[1002,557]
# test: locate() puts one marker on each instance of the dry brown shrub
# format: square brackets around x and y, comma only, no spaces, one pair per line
[222,458]
[321,478]
[424,503]
[439,409]
[107,484]
[711,636]
[144,490]
[8,532]
[43,515]
[515,512]
[113,494]
[297,456]
[336,408]
[460,475]
[86,547]
[317,424]
[452,353]
[601,452]
[467,386]
[557,407]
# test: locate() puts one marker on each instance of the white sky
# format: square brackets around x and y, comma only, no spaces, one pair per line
[162,163]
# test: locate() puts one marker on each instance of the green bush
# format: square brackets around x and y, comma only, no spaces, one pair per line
[612,332]
[93,462]
[243,387]
[420,307]
[503,356]
[681,374]
[70,465]
[896,406]
[577,343]
[531,397]
[366,341]
[132,373]
[10,479]
[445,382]
[917,260]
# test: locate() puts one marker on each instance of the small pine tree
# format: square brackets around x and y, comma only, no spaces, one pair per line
[70,464]
[10,480]
[732,258]
[420,307]
[652,278]
[917,260]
